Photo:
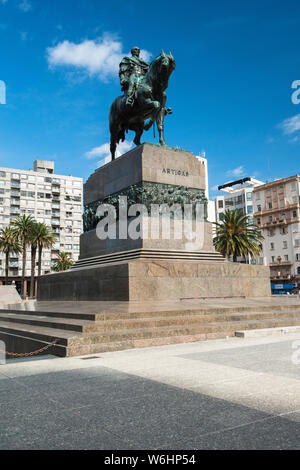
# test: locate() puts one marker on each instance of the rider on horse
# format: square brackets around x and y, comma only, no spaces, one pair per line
[132,69]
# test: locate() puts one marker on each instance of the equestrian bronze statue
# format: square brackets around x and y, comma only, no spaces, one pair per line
[144,98]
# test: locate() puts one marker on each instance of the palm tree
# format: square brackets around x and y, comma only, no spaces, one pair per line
[34,236]
[236,236]
[8,244]
[46,239]
[21,227]
[63,262]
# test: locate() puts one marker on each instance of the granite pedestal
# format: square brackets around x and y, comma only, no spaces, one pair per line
[151,267]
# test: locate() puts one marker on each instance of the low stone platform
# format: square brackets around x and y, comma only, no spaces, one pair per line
[94,327]
[147,280]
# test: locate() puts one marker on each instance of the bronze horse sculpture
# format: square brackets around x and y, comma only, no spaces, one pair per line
[149,103]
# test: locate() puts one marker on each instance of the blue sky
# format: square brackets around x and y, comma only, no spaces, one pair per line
[230,93]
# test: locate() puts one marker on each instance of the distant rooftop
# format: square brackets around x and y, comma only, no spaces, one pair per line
[43,166]
[237,185]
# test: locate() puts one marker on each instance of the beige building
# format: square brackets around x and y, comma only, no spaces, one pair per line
[55,200]
[277,213]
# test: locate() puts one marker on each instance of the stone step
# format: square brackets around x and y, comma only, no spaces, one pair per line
[143,253]
[48,322]
[267,331]
[28,331]
[28,338]
[176,337]
[137,323]
[115,315]
[79,350]
[110,325]
[181,330]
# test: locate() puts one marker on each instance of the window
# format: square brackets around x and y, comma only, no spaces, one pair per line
[220,204]
[273,259]
[286,257]
[270,205]
[294,214]
[259,208]
[281,202]
[272,246]
[258,196]
[258,221]
[228,202]
[298,257]
[249,196]
[249,209]
[293,186]
[285,245]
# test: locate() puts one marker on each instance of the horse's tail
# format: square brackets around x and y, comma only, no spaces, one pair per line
[116,132]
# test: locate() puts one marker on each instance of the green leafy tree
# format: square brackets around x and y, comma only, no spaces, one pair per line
[9,244]
[237,236]
[21,227]
[63,262]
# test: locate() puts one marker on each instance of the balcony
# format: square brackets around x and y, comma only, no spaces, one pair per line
[15,210]
[15,185]
[280,263]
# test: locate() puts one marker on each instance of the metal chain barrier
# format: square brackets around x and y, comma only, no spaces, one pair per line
[33,353]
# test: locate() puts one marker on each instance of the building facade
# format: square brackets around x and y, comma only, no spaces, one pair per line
[277,213]
[238,195]
[55,200]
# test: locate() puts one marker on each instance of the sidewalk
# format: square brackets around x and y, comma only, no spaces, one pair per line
[222,394]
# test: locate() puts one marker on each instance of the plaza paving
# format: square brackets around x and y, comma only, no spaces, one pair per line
[221,394]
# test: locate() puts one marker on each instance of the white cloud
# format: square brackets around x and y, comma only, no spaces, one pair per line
[24,36]
[290,125]
[100,57]
[25,5]
[104,152]
[236,172]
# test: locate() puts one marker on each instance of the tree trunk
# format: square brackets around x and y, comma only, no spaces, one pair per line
[23,271]
[33,259]
[6,267]
[40,260]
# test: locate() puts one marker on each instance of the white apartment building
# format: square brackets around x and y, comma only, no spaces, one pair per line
[238,195]
[55,200]
[277,213]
